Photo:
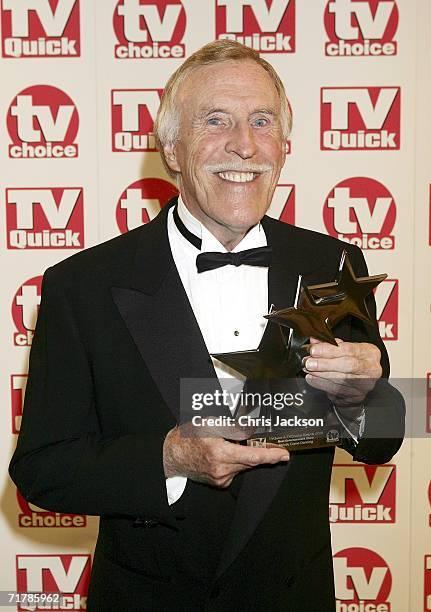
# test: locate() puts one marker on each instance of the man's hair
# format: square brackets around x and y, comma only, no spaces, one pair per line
[167,124]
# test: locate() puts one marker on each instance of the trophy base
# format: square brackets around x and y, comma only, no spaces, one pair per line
[290,441]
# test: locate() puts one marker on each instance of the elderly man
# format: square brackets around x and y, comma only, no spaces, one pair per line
[192,523]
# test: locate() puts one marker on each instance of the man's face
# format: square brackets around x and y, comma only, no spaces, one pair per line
[231,149]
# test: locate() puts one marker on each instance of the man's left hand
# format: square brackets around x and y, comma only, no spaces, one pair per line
[347,372]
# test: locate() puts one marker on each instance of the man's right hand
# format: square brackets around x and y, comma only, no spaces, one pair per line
[212,460]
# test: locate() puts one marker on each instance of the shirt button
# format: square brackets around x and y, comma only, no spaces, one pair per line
[236,333]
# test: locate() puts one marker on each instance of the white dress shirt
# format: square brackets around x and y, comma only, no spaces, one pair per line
[228,303]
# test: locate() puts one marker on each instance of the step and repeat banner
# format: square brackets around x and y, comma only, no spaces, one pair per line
[81,84]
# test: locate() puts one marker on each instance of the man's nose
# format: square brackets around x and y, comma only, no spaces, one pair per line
[241,141]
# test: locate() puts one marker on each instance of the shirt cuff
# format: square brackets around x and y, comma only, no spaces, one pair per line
[175,488]
[354,427]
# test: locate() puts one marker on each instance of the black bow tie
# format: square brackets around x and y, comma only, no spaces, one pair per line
[259,256]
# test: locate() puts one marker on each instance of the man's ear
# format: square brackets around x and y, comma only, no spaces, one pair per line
[171,157]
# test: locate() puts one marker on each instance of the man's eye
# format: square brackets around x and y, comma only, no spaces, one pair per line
[214,121]
[261,122]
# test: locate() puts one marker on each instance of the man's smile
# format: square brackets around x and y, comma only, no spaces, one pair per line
[238,177]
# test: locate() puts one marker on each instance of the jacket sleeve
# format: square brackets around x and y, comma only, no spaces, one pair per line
[62,461]
[384,406]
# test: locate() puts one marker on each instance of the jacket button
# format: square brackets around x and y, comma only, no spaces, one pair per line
[145,522]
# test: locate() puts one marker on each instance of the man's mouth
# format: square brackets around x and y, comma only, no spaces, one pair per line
[238,177]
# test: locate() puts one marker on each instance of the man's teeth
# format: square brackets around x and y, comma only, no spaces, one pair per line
[237,177]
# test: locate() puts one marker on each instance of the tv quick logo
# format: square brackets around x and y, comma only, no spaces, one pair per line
[360,118]
[40,28]
[149,29]
[32,516]
[427,583]
[363,494]
[24,310]
[141,201]
[267,26]
[65,574]
[363,581]
[18,383]
[361,27]
[45,218]
[42,122]
[133,112]
[386,295]
[283,204]
[361,211]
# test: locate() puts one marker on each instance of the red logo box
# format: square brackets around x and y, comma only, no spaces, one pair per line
[47,28]
[133,112]
[360,118]
[42,122]
[149,29]
[267,26]
[363,494]
[361,28]
[361,211]
[45,218]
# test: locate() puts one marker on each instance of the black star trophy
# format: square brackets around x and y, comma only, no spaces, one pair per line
[291,413]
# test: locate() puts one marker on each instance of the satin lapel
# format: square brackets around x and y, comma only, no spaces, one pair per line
[155,308]
[260,485]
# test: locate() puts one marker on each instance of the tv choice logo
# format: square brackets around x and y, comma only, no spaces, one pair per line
[133,112]
[18,384]
[141,201]
[363,494]
[363,581]
[45,218]
[267,26]
[149,29]
[42,122]
[361,27]
[360,118]
[40,28]
[31,516]
[386,295]
[361,211]
[427,583]
[66,574]
[283,204]
[25,307]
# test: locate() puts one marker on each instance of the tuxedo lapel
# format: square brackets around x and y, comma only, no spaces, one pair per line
[157,313]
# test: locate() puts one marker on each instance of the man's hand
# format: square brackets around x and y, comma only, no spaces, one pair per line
[347,372]
[212,460]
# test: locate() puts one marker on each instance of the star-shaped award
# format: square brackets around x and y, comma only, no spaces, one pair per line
[349,291]
[308,317]
[269,360]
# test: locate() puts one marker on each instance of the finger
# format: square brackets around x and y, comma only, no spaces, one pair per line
[324,349]
[346,364]
[334,390]
[252,456]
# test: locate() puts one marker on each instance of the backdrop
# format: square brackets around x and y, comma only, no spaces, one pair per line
[80,86]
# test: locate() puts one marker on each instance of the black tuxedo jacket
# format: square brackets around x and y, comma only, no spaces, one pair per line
[114,336]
